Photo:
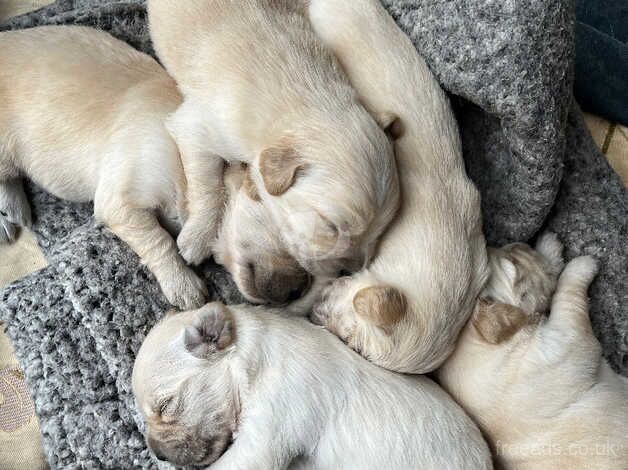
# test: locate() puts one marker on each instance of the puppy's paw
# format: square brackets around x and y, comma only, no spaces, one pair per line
[549,246]
[14,210]
[184,289]
[196,242]
[581,270]
[8,230]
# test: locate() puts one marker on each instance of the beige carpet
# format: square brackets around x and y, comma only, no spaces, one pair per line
[613,141]
[20,439]
[9,8]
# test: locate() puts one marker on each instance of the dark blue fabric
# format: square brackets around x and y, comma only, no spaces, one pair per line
[607,16]
[601,82]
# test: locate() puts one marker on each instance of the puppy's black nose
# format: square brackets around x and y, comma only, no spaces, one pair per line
[283,287]
[348,266]
[294,294]
[160,456]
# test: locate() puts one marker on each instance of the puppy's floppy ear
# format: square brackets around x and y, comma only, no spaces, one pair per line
[278,167]
[249,188]
[212,330]
[381,305]
[390,123]
[497,322]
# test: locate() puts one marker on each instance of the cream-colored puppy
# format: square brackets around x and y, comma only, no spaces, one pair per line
[83,115]
[272,392]
[260,88]
[538,386]
[406,309]
[248,246]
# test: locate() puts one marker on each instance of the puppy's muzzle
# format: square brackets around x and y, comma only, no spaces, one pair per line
[283,287]
[155,447]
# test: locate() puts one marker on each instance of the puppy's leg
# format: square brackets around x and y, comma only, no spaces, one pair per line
[566,353]
[14,209]
[567,336]
[205,189]
[570,310]
[140,229]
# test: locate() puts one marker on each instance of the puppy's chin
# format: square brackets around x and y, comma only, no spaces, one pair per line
[195,454]
[213,453]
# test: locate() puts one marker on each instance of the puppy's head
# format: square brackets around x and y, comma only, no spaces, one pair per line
[250,247]
[524,277]
[332,189]
[368,316]
[183,387]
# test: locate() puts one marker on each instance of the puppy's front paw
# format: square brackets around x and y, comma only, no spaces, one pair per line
[550,247]
[14,210]
[582,269]
[195,242]
[184,289]
[8,230]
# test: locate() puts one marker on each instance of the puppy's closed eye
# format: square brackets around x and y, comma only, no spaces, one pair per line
[164,405]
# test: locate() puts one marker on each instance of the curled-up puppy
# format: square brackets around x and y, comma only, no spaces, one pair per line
[406,309]
[248,246]
[260,88]
[538,386]
[250,389]
[83,115]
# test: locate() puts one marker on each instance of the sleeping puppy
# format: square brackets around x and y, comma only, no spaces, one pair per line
[260,88]
[538,385]
[83,115]
[248,246]
[406,309]
[249,388]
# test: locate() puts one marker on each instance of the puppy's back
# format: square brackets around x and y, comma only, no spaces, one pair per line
[64,92]
[378,418]
[268,44]
[70,73]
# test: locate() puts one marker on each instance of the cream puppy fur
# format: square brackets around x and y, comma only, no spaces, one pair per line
[82,114]
[261,89]
[273,392]
[249,248]
[538,386]
[406,309]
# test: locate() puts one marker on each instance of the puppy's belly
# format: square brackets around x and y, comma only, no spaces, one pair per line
[64,178]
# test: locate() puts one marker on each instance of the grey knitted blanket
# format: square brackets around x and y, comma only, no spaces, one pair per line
[77,324]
